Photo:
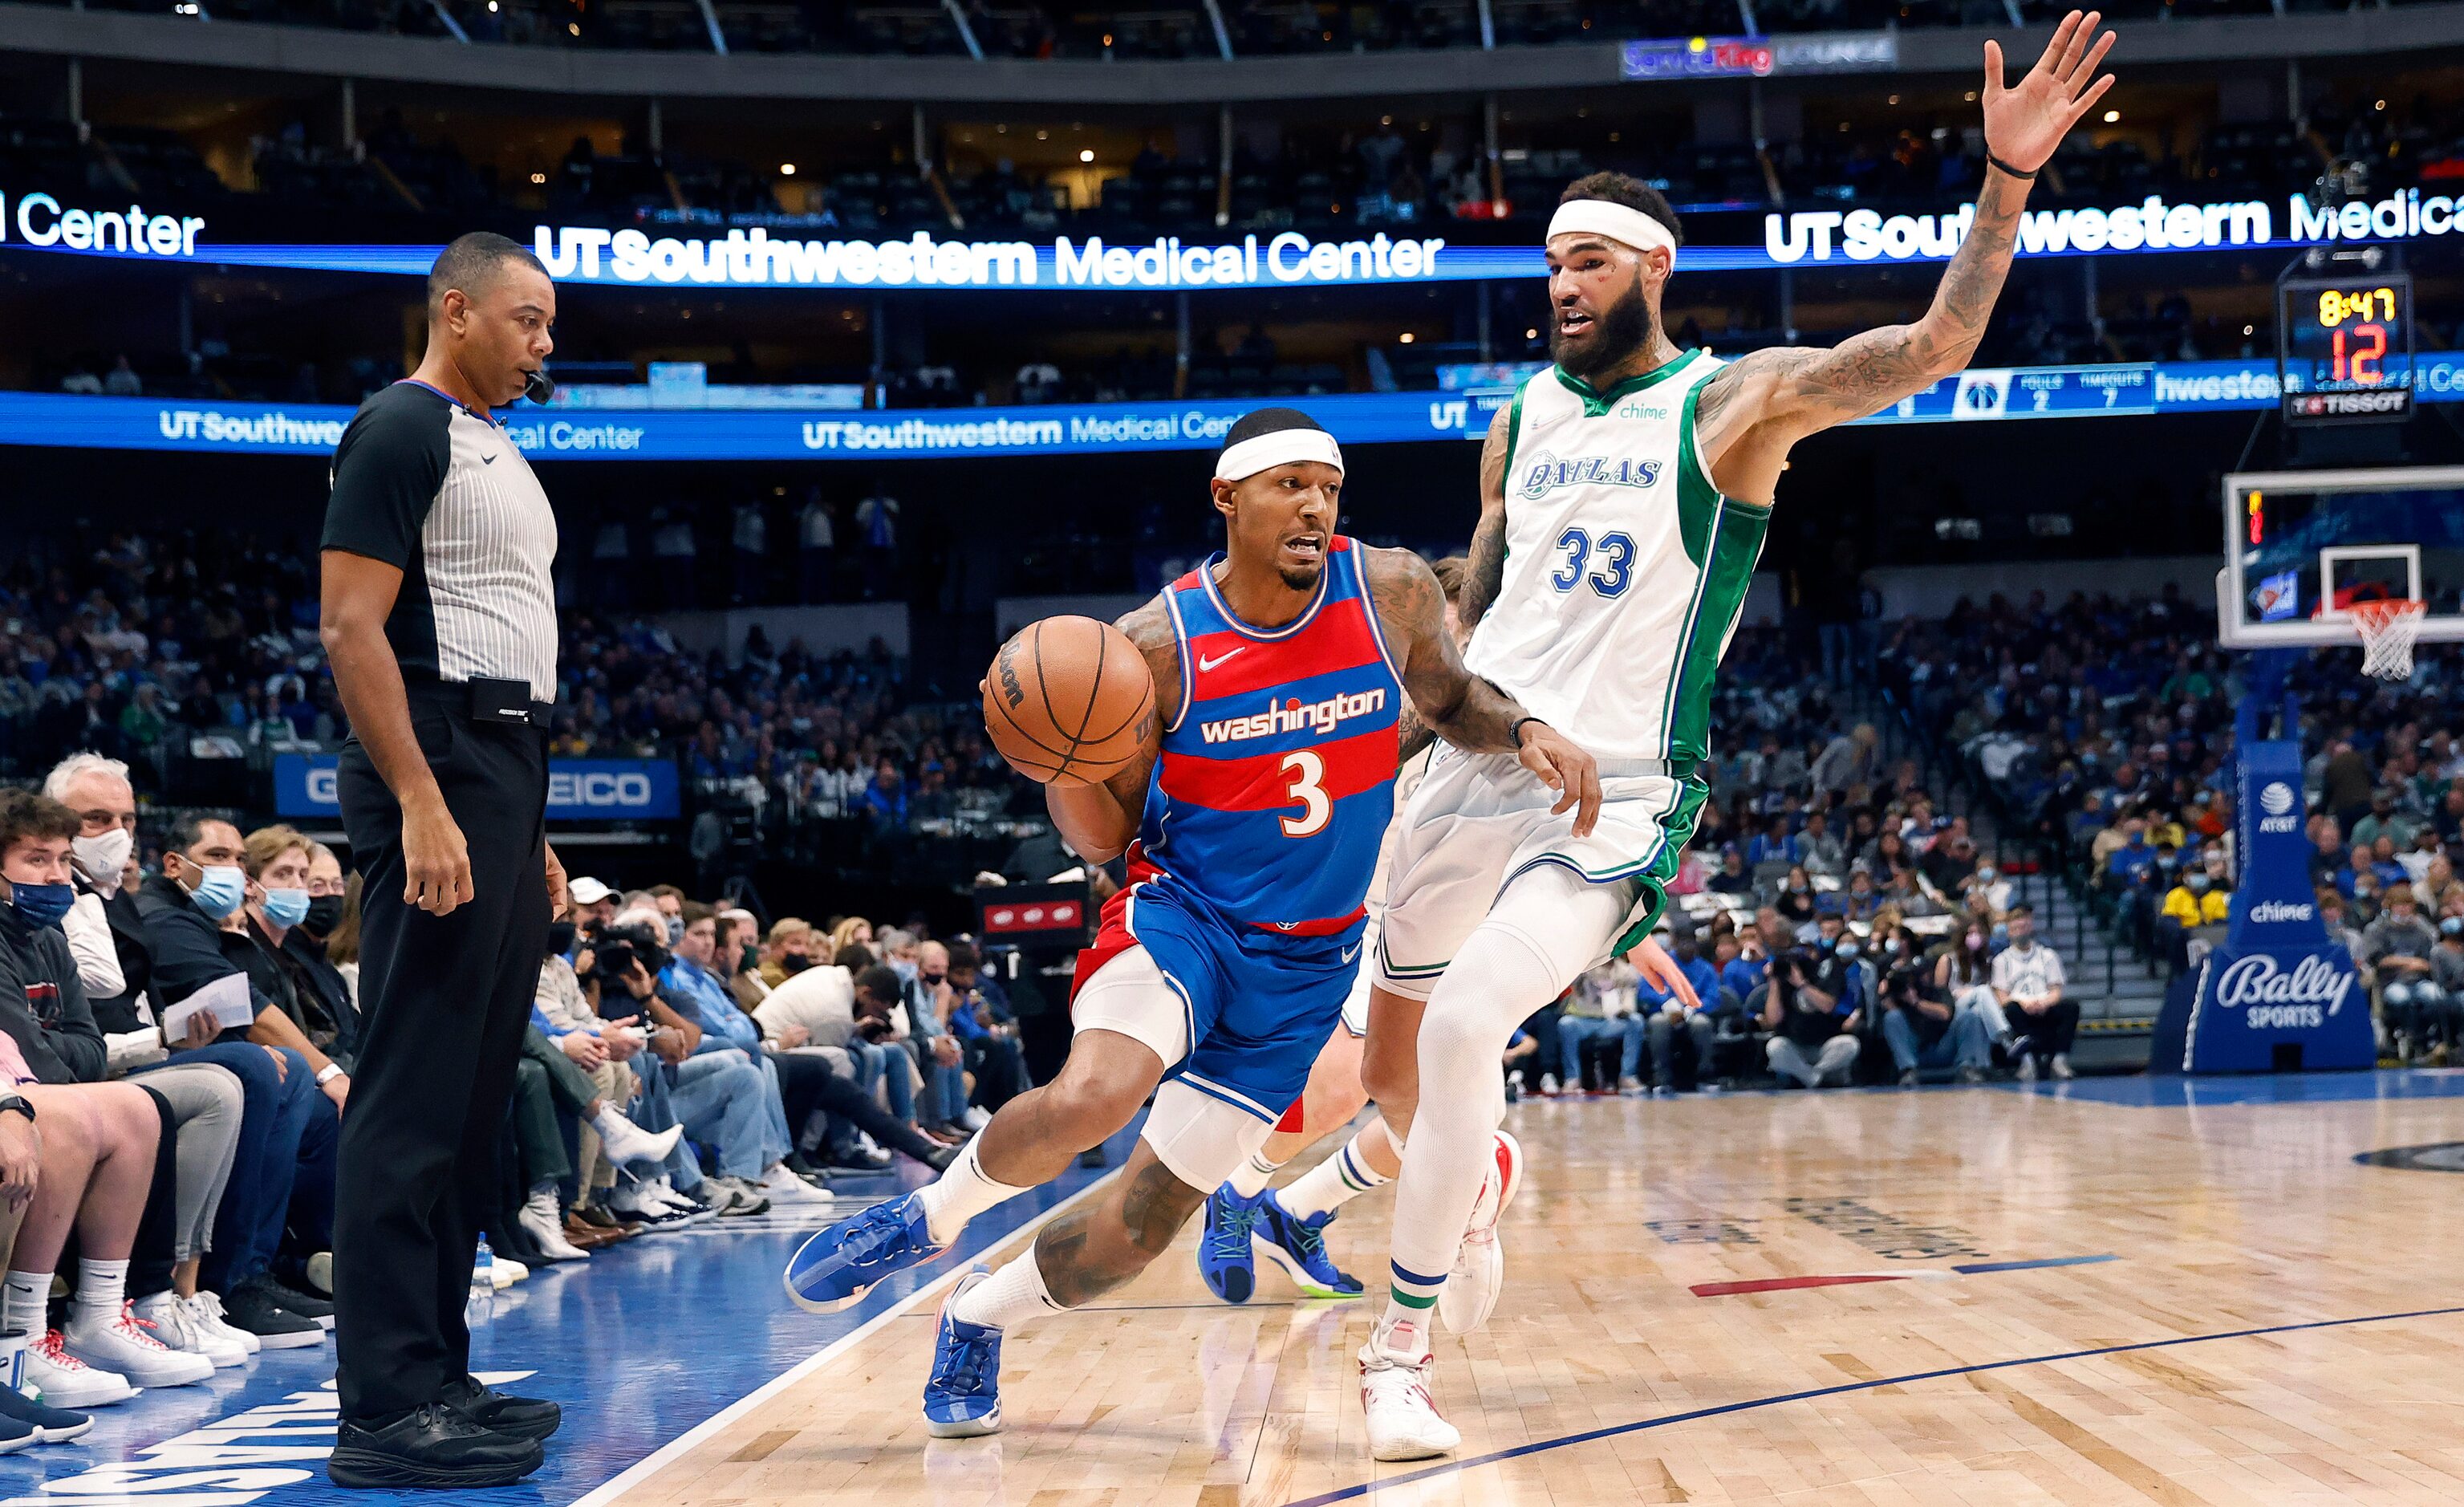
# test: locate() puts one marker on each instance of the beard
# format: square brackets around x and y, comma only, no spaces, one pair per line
[1302,578]
[1617,332]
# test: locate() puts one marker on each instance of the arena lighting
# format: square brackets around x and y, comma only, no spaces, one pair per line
[1086,154]
[787,170]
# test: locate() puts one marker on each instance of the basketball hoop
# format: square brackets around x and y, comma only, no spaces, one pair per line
[2387,629]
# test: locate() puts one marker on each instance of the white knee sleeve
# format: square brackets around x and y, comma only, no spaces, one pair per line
[1544,929]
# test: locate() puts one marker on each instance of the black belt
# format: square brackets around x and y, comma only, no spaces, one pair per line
[483,701]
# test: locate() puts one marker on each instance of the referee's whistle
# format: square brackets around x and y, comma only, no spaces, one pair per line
[538,386]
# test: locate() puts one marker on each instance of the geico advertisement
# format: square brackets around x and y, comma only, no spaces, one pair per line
[577,790]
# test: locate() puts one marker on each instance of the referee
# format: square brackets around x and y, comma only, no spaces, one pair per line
[439,618]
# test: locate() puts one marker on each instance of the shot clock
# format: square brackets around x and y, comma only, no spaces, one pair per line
[2344,346]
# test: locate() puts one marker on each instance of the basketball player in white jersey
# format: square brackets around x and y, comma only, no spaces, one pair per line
[1245,1219]
[1624,496]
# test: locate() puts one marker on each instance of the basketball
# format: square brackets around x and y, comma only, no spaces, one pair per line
[1068,701]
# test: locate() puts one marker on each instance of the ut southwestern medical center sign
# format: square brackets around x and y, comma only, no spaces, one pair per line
[1982,395]
[777,257]
[577,790]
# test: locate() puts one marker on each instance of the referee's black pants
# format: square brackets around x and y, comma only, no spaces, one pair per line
[442,1003]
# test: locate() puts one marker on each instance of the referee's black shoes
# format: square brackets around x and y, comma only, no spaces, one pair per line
[522,1417]
[433,1445]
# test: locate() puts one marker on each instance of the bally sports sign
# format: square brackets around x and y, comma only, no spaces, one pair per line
[2277,991]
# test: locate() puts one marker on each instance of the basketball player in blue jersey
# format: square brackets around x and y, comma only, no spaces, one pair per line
[1252,821]
[1624,493]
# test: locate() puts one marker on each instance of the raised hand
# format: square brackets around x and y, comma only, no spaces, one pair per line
[2024,124]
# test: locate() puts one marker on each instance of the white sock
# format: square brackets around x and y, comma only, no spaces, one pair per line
[102,1288]
[1254,1175]
[1337,1179]
[958,1195]
[1010,1295]
[25,1302]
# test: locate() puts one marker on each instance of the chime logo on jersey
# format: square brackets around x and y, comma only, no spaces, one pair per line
[1291,717]
[1545,472]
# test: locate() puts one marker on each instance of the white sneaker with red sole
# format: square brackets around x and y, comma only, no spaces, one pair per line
[1403,1420]
[1479,1271]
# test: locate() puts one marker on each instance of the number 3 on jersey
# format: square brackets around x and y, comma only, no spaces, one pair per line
[1617,572]
[1307,784]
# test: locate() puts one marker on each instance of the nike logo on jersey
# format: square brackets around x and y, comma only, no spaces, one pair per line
[1352,952]
[1204,663]
[486,460]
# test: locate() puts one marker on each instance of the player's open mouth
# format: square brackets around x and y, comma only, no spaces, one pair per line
[1573,321]
[1307,547]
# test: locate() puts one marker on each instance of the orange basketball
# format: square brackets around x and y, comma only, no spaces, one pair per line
[1068,700]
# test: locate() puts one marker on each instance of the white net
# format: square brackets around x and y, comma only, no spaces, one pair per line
[2387,630]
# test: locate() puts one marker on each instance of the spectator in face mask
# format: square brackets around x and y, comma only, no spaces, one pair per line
[790,950]
[1795,902]
[103,923]
[1990,883]
[288,1125]
[1964,974]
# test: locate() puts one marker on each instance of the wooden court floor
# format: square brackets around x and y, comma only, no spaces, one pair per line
[1972,1388]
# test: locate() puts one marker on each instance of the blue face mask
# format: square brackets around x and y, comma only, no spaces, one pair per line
[286,908]
[220,890]
[42,904]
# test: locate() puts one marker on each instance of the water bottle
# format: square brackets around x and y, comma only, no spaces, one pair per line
[482,1301]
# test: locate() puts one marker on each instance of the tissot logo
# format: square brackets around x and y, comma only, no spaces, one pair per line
[1544,473]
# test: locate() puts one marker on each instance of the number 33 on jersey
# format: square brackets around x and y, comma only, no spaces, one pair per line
[1276,780]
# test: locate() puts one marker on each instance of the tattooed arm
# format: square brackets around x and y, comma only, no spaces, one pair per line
[1099,821]
[1455,705]
[1485,570]
[1756,407]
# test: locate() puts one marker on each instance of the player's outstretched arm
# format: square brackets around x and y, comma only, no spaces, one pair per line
[1485,567]
[1750,413]
[1458,706]
[1099,821]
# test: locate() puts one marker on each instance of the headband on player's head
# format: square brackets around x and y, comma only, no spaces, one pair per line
[1296,438]
[1617,222]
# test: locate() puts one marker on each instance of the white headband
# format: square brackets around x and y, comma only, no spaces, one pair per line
[1276,447]
[1601,217]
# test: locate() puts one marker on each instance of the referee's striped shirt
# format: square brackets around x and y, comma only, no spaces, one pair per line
[425,484]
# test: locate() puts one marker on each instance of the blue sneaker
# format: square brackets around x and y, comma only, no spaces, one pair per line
[1223,1257]
[840,1263]
[963,1397]
[1298,1246]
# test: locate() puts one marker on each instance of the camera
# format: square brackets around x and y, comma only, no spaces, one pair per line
[618,948]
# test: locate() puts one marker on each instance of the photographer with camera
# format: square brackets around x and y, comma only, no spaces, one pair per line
[1926,1030]
[617,968]
[1812,1028]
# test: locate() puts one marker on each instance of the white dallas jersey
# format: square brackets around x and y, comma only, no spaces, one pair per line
[1625,570]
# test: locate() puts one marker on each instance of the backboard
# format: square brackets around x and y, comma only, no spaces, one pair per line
[2301,546]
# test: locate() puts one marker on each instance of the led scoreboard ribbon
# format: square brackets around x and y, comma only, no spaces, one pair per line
[2346,343]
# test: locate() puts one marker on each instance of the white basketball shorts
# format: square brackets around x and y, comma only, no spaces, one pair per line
[1478,820]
